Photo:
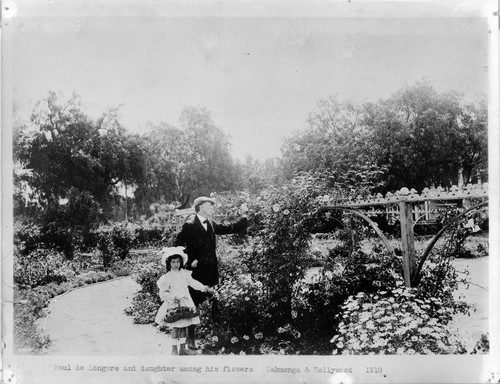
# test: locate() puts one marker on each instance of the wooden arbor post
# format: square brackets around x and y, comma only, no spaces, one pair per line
[407,239]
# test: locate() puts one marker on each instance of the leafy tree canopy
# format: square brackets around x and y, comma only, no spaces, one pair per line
[415,138]
[61,149]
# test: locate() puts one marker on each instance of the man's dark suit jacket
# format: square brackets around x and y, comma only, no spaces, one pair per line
[200,245]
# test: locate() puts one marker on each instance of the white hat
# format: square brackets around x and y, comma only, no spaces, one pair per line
[172,251]
[203,199]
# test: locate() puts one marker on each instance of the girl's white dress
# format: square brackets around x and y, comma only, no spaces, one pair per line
[174,285]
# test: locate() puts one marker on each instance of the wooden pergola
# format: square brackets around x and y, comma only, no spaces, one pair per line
[407,204]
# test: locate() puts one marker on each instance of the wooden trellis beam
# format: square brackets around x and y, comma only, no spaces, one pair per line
[405,199]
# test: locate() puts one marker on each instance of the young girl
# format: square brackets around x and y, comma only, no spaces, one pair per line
[173,290]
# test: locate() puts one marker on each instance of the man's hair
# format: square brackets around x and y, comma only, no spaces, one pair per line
[197,208]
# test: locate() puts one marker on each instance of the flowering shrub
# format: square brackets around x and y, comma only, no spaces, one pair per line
[41,266]
[144,307]
[146,302]
[280,244]
[395,322]
[150,236]
[439,279]
[27,335]
[147,275]
[92,277]
[240,315]
[122,239]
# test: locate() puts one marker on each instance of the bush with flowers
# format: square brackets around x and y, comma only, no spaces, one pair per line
[39,267]
[318,300]
[395,322]
[146,301]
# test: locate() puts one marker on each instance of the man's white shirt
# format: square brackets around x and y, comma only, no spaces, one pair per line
[202,219]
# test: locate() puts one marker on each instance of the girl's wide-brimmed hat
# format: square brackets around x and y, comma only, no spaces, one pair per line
[173,251]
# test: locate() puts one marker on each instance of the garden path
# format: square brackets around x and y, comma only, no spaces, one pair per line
[473,325]
[92,321]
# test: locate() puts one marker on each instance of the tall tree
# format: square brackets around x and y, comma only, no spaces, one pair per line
[61,149]
[163,147]
[206,161]
[188,161]
[337,142]
[424,138]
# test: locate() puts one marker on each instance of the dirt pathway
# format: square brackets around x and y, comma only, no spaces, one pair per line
[476,295]
[91,321]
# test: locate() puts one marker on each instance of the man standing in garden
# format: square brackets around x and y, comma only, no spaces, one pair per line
[198,237]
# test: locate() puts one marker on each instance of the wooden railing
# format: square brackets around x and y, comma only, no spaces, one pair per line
[409,207]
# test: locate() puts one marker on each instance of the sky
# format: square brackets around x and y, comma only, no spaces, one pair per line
[259,77]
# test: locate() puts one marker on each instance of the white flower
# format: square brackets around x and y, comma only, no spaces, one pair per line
[246,337]
[259,335]
[276,208]
[215,339]
[286,212]
[370,324]
[234,340]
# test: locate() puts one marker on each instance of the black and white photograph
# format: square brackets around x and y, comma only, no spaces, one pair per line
[281,191]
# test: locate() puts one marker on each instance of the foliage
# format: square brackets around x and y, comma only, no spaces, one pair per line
[144,307]
[415,138]
[439,279]
[241,314]
[423,137]
[107,249]
[39,267]
[27,237]
[336,141]
[256,175]
[147,275]
[395,322]
[122,239]
[146,301]
[64,149]
[28,337]
[279,247]
[482,346]
[65,227]
[188,161]
[92,277]
[318,299]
